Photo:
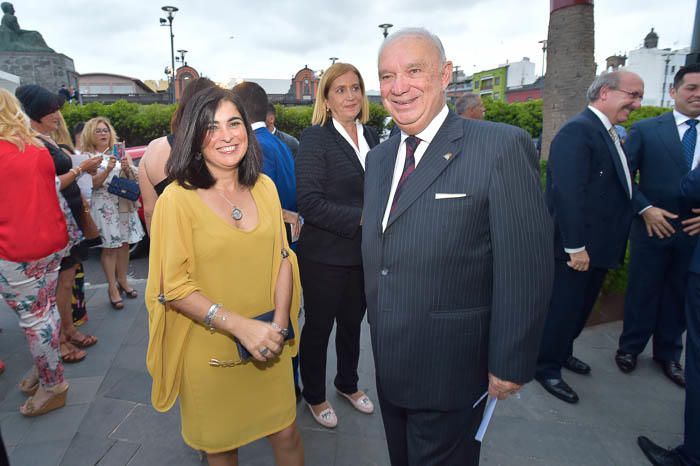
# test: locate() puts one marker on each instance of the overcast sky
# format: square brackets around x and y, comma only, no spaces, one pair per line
[275,38]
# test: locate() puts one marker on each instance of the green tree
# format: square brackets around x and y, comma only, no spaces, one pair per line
[643,113]
[525,115]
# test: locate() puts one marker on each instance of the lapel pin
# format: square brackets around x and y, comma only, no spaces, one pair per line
[447,156]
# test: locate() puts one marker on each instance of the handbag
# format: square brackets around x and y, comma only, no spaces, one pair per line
[124,187]
[87,224]
[266,317]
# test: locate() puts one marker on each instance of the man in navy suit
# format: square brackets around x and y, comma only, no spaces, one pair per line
[589,191]
[660,251]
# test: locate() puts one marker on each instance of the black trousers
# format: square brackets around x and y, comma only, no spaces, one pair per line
[573,296]
[431,438]
[655,297]
[331,294]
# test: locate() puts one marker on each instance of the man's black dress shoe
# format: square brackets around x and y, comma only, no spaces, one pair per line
[673,371]
[574,364]
[560,389]
[625,361]
[657,455]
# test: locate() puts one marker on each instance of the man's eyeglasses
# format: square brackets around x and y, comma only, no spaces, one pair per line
[102,131]
[634,95]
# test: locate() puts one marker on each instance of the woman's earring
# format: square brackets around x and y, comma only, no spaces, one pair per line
[198,156]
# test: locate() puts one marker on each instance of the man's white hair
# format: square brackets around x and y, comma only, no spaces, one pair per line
[416,32]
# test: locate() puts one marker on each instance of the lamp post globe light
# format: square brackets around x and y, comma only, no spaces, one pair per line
[169,22]
[386,27]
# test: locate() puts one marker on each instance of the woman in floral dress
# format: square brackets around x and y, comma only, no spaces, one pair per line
[116,217]
[33,240]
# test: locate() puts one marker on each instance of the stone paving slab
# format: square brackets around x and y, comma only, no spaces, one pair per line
[109,419]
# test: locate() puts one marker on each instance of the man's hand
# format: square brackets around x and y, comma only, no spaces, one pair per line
[692,225]
[655,218]
[501,389]
[579,261]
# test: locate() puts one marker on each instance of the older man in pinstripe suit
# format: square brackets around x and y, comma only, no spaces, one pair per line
[456,245]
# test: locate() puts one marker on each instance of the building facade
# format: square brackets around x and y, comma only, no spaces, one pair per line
[524,93]
[491,83]
[656,67]
[521,73]
[108,88]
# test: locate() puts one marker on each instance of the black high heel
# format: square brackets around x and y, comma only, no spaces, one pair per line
[118,304]
[131,294]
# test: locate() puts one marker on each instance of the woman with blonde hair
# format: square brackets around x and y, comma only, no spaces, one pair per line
[330,178]
[116,217]
[33,240]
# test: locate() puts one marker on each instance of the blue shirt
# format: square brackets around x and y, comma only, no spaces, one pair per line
[278,164]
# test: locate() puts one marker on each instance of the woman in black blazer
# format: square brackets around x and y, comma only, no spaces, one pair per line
[330,178]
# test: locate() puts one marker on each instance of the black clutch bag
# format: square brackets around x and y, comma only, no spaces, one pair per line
[266,317]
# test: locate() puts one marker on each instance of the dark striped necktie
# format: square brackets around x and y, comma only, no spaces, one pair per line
[689,139]
[408,167]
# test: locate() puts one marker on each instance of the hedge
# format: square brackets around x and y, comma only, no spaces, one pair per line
[135,124]
[138,124]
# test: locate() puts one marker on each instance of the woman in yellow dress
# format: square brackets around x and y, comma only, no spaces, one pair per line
[219,258]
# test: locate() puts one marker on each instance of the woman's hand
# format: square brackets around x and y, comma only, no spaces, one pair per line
[258,336]
[90,165]
[111,163]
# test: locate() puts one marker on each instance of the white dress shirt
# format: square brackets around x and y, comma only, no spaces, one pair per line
[682,128]
[361,151]
[426,136]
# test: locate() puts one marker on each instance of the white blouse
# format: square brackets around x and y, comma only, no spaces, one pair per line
[364,146]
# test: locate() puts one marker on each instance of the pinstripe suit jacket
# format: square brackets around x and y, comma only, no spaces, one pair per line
[456,288]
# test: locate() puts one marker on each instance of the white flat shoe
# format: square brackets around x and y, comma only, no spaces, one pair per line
[363,404]
[326,418]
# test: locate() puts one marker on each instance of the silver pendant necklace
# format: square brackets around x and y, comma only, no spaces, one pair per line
[236,213]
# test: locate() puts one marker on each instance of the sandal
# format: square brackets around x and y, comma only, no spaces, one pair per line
[81,340]
[29,385]
[71,355]
[131,294]
[118,304]
[55,401]
[82,321]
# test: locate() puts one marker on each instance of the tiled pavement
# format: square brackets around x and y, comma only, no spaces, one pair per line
[109,420]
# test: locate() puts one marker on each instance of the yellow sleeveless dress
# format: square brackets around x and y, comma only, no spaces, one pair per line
[193,249]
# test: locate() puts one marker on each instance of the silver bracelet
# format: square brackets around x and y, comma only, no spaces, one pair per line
[211,314]
[282,331]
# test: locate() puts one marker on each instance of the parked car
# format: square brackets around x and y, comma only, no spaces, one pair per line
[140,248]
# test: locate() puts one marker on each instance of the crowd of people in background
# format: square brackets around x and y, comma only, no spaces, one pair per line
[438,233]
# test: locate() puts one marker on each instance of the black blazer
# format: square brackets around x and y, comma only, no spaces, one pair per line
[587,192]
[330,182]
[458,283]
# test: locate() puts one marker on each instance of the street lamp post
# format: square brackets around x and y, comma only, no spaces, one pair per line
[169,22]
[386,27]
[333,60]
[544,51]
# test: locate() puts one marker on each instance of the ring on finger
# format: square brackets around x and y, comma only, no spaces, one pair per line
[264,351]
